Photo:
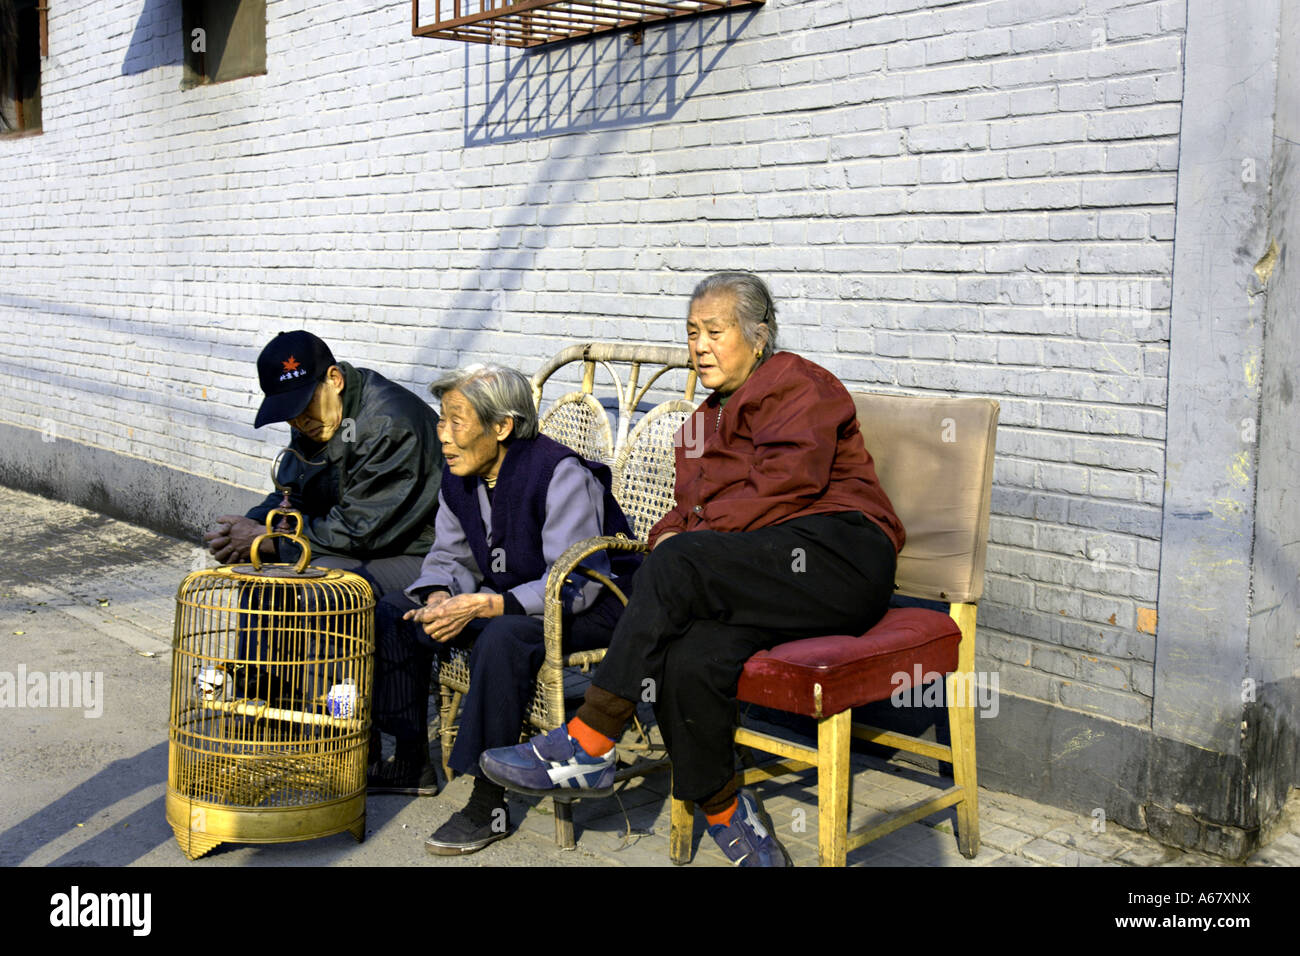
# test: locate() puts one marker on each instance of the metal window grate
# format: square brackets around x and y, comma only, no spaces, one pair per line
[528,23]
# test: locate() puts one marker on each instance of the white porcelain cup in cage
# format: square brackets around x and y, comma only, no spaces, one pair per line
[342,699]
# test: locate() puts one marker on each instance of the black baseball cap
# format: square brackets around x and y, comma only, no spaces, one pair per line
[289,369]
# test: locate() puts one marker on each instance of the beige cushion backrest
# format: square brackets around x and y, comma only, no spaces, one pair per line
[934,458]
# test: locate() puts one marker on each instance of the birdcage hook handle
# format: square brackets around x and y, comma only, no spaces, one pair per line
[275,467]
[296,536]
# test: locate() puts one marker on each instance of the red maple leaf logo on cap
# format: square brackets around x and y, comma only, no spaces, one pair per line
[290,364]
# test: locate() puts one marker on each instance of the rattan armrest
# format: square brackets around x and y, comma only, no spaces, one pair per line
[551,675]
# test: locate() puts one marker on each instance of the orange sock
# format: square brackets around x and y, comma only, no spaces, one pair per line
[724,817]
[593,741]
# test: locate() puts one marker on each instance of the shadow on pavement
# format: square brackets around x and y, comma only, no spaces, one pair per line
[146,828]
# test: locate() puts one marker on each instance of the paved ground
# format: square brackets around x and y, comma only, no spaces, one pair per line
[85,593]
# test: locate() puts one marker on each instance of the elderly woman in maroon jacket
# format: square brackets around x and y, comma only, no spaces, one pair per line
[781,531]
[511,502]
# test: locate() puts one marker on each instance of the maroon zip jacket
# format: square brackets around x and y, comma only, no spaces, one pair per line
[787,445]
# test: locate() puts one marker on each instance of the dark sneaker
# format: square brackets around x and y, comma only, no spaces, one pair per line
[748,840]
[403,777]
[470,830]
[550,764]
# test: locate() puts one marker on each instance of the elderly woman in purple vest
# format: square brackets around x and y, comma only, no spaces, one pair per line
[512,501]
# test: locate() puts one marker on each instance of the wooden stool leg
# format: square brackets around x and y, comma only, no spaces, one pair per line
[961,728]
[682,831]
[833,759]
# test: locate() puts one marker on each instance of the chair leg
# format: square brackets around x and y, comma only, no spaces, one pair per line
[833,757]
[681,831]
[961,729]
[447,726]
[564,838]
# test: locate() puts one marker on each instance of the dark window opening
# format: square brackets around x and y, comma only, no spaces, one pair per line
[22,33]
[224,40]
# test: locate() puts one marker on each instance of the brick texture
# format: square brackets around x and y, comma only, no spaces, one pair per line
[957,197]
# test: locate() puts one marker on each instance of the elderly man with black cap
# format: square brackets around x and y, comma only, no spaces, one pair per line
[365,477]
[366,473]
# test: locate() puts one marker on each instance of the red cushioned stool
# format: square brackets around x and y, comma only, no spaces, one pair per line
[934,457]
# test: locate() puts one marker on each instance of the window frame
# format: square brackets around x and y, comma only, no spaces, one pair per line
[195,71]
[11,81]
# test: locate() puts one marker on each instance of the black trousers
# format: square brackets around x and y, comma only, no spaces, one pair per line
[505,654]
[706,601]
[404,657]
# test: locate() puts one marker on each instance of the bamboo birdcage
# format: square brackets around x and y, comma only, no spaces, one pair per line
[270,702]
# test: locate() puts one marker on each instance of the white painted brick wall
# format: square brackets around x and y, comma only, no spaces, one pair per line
[940,194]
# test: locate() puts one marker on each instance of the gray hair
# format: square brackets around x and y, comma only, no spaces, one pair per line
[495,393]
[755,312]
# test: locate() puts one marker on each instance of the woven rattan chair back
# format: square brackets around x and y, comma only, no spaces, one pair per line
[579,421]
[633,371]
[644,471]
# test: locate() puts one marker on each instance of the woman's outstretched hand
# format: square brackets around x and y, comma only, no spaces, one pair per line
[444,616]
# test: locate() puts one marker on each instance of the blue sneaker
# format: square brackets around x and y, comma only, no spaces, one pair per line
[549,763]
[748,840]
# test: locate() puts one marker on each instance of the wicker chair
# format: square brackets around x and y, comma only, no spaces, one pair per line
[643,486]
[643,473]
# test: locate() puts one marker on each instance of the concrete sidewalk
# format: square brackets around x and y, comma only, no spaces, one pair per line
[83,592]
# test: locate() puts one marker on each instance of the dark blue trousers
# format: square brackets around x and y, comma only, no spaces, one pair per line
[505,654]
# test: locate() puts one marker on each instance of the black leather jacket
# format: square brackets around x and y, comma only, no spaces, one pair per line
[375,492]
